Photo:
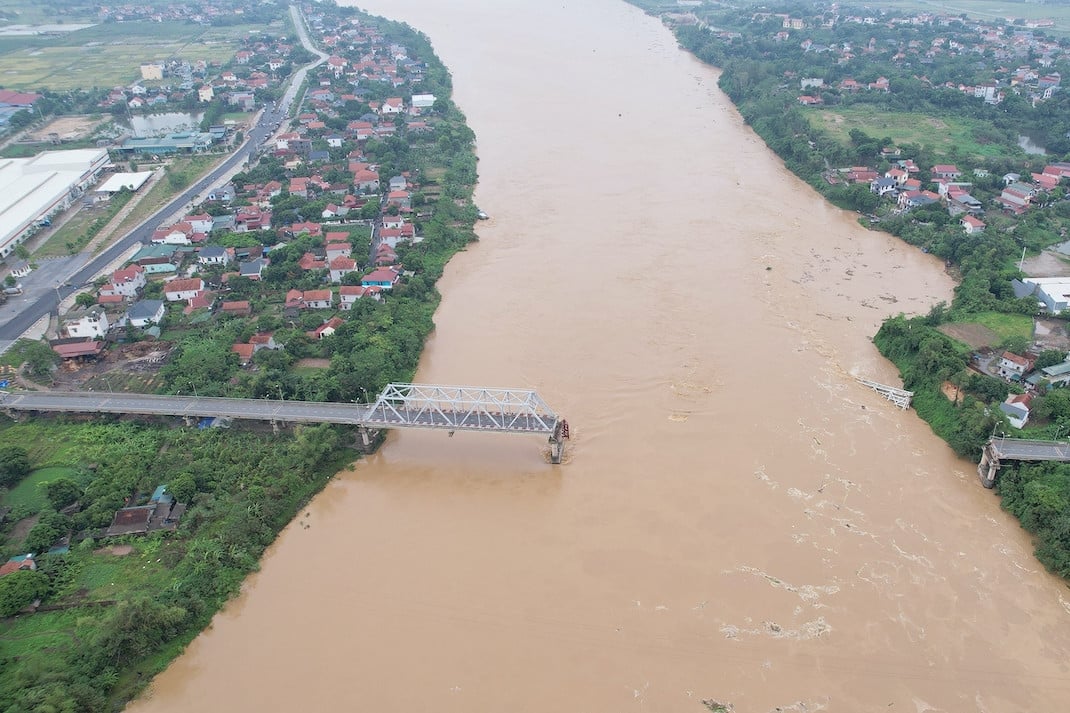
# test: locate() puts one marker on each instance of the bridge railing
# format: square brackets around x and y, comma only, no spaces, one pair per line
[463,407]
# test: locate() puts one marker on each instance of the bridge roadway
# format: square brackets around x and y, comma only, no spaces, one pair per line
[1023,449]
[1001,449]
[382,414]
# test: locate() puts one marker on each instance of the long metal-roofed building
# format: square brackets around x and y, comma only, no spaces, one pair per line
[185,142]
[34,189]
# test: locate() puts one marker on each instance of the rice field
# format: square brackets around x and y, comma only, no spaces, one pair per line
[110,55]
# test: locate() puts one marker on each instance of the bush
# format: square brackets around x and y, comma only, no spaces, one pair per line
[19,589]
[14,464]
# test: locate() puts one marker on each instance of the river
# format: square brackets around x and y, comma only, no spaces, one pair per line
[737,519]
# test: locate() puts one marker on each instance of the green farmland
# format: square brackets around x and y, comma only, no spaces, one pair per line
[948,137]
[992,10]
[111,54]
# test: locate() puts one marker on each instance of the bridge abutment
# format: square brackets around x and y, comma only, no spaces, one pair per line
[988,467]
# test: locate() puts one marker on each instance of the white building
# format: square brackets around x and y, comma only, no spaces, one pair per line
[1054,292]
[32,189]
[90,323]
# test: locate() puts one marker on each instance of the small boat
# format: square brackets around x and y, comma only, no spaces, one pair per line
[481,215]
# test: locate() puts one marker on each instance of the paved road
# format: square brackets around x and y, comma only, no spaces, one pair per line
[1022,449]
[31,307]
[375,415]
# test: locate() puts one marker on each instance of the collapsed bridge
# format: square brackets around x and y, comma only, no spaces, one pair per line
[451,408]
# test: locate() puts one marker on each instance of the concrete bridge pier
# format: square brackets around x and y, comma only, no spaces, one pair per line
[276,426]
[368,438]
[557,441]
[188,420]
[988,467]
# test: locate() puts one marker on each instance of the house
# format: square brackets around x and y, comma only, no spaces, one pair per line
[310,261]
[145,313]
[392,105]
[327,328]
[422,101]
[1013,367]
[177,234]
[972,225]
[253,269]
[245,353]
[916,199]
[205,93]
[342,266]
[393,221]
[1016,408]
[162,512]
[898,175]
[264,340]
[861,174]
[17,563]
[948,171]
[294,301]
[384,277]
[91,322]
[201,223]
[213,255]
[401,199]
[179,290]
[241,308]
[884,186]
[385,255]
[390,237]
[125,283]
[81,348]
[351,293]
[338,250]
[398,183]
[317,299]
[334,211]
[1016,197]
[366,181]
[202,300]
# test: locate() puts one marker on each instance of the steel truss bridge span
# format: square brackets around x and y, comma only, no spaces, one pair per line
[451,408]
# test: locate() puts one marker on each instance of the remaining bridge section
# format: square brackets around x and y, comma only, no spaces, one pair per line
[452,408]
[999,449]
[899,397]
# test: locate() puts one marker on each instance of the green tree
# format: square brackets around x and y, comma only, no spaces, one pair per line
[14,464]
[85,299]
[20,589]
[1050,357]
[183,487]
[62,492]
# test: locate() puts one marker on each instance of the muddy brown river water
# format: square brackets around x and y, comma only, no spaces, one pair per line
[737,518]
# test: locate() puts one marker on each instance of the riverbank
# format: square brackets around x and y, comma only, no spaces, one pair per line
[985,261]
[238,488]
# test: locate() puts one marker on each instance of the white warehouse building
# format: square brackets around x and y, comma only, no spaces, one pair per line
[32,189]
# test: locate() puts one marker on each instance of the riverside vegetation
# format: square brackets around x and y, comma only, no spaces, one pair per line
[114,613]
[761,74]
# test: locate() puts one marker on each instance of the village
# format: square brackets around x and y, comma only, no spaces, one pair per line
[288,246]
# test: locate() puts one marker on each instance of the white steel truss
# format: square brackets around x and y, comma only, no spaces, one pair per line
[462,408]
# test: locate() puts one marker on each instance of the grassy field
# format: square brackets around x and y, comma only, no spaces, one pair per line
[992,10]
[941,134]
[28,492]
[111,54]
[989,329]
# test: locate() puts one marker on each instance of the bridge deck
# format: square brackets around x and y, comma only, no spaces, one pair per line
[399,407]
[1024,449]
